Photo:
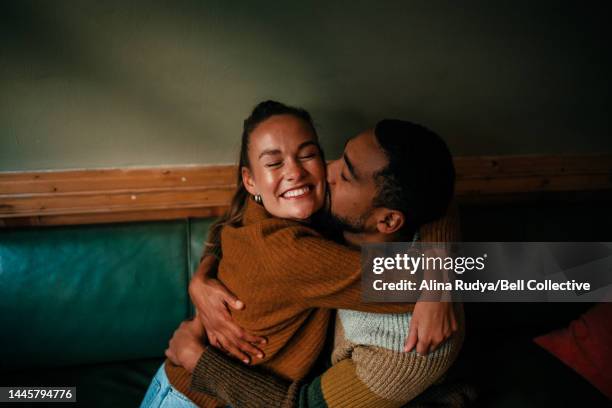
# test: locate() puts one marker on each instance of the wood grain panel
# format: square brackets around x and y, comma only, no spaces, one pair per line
[144,194]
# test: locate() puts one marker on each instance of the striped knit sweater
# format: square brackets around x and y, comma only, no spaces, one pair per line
[289,277]
[369,368]
[362,376]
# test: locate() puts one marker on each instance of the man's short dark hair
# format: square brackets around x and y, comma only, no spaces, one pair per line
[419,180]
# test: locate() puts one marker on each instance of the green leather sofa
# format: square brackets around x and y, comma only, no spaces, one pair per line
[94,306]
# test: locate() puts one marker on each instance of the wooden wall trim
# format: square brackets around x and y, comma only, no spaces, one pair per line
[122,195]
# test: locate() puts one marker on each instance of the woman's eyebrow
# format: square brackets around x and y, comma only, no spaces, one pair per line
[270,152]
[308,143]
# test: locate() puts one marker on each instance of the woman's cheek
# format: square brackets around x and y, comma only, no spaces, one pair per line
[318,170]
[269,182]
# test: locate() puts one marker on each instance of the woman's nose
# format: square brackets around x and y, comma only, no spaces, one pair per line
[294,171]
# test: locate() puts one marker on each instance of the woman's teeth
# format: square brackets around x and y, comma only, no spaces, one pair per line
[296,193]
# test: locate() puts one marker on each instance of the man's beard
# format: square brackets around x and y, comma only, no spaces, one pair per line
[338,224]
[348,224]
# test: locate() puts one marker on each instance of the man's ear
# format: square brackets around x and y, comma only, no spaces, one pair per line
[389,221]
[247,180]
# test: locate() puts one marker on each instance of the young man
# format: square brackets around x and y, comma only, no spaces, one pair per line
[390,181]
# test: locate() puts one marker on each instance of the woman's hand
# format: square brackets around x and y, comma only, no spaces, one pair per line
[212,301]
[185,347]
[431,324]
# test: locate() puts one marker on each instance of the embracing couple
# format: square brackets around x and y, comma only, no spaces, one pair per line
[285,257]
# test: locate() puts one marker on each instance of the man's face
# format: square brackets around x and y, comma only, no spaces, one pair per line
[352,185]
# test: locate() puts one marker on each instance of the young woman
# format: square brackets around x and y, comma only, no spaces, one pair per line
[288,274]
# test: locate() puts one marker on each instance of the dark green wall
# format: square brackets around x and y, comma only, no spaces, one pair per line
[102,84]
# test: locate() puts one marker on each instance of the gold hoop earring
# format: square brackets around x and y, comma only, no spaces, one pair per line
[257,199]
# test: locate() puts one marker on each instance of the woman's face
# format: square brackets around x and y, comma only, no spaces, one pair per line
[287,169]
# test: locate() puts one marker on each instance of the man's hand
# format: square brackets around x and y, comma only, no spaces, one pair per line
[212,301]
[431,324]
[185,347]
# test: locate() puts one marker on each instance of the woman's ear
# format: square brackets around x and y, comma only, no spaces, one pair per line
[247,180]
[390,221]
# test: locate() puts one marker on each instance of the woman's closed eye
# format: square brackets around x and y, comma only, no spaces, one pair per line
[302,157]
[274,164]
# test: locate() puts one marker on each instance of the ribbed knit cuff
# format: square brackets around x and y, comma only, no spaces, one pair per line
[239,385]
[375,329]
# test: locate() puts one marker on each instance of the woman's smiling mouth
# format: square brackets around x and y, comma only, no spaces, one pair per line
[297,192]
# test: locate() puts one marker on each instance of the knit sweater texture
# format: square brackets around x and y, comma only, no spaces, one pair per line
[289,277]
[370,370]
[361,377]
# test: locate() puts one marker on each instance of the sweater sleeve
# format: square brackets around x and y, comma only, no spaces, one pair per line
[251,386]
[242,386]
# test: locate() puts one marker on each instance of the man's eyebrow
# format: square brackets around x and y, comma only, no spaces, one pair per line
[350,166]
[270,152]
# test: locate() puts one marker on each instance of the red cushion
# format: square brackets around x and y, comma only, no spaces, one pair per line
[586,346]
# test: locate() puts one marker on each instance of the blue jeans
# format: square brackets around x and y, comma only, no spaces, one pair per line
[161,394]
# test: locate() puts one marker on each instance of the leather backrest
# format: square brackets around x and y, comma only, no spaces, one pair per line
[84,294]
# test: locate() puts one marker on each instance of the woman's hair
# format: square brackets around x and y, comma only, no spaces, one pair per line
[233,215]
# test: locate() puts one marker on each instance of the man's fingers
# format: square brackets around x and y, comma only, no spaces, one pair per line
[411,340]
